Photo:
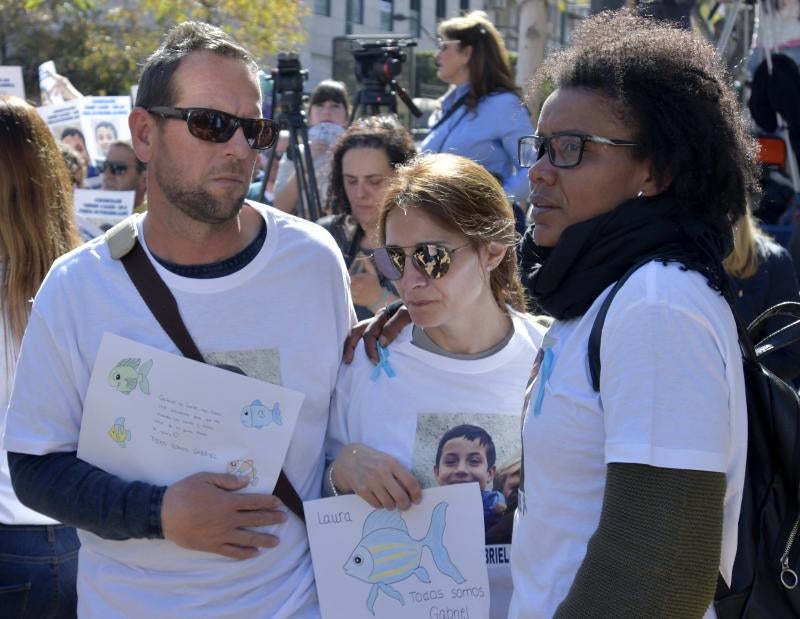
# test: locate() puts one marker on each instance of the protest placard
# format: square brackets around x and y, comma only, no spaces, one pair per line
[103,208]
[11,82]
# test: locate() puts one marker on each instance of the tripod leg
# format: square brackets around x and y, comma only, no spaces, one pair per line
[314,202]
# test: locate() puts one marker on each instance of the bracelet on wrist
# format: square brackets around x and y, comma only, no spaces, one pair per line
[330,481]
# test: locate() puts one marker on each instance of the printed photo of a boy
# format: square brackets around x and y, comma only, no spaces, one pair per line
[466,453]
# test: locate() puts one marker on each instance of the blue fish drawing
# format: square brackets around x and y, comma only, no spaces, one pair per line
[119,433]
[256,415]
[387,553]
[127,375]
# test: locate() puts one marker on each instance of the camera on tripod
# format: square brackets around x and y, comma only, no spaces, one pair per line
[378,63]
[379,60]
[287,82]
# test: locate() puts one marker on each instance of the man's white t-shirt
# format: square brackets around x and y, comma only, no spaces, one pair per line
[282,318]
[383,413]
[673,396]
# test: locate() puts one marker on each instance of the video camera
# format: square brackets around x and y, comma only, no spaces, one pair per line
[287,82]
[378,63]
[379,60]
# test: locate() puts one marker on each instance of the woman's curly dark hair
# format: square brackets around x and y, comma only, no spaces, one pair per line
[673,89]
[381,132]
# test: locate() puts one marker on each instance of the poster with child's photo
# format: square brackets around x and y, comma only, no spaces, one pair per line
[457,448]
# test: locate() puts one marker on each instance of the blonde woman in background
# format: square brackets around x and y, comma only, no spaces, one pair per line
[38,556]
[763,275]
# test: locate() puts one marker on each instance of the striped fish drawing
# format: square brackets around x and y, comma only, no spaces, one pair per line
[387,553]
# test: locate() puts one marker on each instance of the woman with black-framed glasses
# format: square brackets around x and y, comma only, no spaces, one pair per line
[459,371]
[631,490]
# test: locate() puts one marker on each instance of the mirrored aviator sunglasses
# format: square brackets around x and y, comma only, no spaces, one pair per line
[216,126]
[433,261]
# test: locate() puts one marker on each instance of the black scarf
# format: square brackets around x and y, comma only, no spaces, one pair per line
[564,280]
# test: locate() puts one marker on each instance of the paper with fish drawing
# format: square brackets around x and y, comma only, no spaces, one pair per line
[426,562]
[153,416]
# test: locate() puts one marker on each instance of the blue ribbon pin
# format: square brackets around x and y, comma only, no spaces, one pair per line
[383,355]
[544,375]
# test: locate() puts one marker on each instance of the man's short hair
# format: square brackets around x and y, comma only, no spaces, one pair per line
[73,131]
[155,83]
[470,433]
[141,166]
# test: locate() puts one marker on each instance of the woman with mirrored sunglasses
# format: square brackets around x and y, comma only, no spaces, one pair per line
[482,115]
[363,163]
[447,242]
[631,491]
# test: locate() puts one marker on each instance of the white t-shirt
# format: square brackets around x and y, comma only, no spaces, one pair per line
[383,413]
[11,510]
[673,396]
[281,318]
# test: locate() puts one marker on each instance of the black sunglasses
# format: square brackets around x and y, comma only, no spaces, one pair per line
[564,150]
[433,261]
[117,168]
[216,126]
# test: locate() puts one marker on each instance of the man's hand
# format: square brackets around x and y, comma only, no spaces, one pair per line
[202,512]
[383,325]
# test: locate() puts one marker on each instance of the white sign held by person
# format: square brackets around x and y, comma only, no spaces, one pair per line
[425,562]
[48,84]
[103,208]
[90,124]
[158,417]
[11,82]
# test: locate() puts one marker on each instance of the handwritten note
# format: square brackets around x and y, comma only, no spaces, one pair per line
[157,417]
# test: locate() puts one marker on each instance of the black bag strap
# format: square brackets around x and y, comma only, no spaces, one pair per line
[164,307]
[597,328]
[786,336]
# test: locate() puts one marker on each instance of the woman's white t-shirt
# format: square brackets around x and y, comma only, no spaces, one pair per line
[671,395]
[383,413]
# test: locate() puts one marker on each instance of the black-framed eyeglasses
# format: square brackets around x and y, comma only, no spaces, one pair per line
[117,168]
[432,260]
[217,126]
[564,150]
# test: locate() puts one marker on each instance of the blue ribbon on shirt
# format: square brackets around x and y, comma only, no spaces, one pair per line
[383,364]
[544,375]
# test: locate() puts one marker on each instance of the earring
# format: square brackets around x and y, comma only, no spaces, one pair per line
[641,195]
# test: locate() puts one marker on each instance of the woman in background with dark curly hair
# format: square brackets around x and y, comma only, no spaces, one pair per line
[364,161]
[630,497]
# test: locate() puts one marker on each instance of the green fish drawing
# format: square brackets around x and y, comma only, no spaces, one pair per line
[127,375]
[119,433]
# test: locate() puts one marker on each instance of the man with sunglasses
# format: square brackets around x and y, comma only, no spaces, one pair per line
[122,171]
[258,290]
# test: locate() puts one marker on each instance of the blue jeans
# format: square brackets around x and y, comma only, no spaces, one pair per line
[38,566]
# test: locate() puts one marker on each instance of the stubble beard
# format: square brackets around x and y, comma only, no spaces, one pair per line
[199,204]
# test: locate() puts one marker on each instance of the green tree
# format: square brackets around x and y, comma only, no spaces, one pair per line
[100,49]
